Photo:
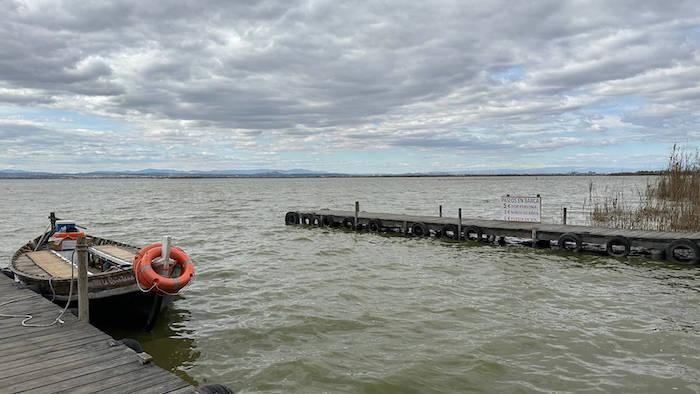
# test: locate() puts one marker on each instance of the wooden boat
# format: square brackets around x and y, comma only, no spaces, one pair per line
[48,265]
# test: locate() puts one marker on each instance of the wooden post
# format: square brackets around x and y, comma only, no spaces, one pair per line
[440,210]
[459,225]
[357,214]
[52,218]
[563,216]
[165,255]
[83,301]
[534,238]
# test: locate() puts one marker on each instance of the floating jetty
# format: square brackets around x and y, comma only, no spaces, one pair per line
[70,357]
[675,246]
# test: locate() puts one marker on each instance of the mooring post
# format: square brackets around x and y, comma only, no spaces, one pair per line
[440,210]
[563,216]
[357,214]
[534,238]
[459,224]
[83,301]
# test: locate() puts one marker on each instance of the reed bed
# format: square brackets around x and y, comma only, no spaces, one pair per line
[670,201]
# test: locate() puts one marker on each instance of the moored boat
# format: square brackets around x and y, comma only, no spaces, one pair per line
[135,282]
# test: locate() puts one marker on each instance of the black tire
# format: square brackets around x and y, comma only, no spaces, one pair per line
[420,230]
[478,233]
[307,219]
[132,344]
[291,218]
[686,244]
[450,228]
[570,238]
[349,223]
[618,241]
[374,225]
[214,389]
[327,221]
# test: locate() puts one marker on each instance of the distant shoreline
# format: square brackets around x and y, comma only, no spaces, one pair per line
[60,176]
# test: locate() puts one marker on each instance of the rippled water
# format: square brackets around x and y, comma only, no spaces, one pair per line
[277,309]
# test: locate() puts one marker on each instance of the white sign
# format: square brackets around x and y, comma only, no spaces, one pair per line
[522,209]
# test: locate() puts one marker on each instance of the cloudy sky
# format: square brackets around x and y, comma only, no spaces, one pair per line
[359,87]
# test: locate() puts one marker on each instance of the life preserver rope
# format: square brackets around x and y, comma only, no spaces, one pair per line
[149,280]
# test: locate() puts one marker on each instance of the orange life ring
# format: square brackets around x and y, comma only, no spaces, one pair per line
[150,279]
[73,235]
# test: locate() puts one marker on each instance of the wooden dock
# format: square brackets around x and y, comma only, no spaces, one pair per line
[72,357]
[677,247]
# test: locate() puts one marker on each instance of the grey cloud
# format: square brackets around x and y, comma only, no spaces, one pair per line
[348,71]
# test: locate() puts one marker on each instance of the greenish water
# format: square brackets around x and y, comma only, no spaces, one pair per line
[277,309]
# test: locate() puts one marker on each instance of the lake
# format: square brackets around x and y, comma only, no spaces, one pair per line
[286,309]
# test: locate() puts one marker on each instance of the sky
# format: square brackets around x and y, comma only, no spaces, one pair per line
[388,86]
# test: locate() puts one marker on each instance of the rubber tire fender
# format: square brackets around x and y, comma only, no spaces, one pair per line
[214,389]
[618,240]
[327,221]
[291,218]
[420,230]
[450,228]
[132,344]
[307,219]
[349,223]
[473,230]
[570,237]
[684,243]
[374,225]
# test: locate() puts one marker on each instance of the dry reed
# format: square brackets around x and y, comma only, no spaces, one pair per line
[670,202]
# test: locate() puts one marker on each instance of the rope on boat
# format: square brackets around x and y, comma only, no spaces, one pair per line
[28,317]
[155,286]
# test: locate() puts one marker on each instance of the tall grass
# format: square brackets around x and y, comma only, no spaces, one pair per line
[670,202]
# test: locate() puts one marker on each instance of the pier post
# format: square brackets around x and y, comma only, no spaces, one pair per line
[440,210]
[459,224]
[357,214]
[83,301]
[563,216]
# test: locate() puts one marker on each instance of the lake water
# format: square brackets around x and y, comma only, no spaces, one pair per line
[278,309]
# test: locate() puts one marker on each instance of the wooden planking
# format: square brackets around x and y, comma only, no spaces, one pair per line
[116,251]
[51,263]
[26,265]
[72,357]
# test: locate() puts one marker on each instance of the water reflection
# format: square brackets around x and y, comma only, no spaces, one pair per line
[170,342]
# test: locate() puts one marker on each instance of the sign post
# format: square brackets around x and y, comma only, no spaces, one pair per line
[522,208]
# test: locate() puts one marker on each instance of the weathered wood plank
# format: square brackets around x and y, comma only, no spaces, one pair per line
[70,357]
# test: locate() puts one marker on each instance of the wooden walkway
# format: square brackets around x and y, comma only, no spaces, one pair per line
[485,229]
[73,357]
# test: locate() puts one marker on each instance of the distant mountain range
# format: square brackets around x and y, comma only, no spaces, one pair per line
[164,173]
[297,172]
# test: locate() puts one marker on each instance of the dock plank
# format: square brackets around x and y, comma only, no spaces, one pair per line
[69,357]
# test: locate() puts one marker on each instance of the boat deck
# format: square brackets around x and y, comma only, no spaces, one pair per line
[45,264]
[71,357]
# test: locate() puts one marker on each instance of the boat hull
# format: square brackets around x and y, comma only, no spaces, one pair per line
[114,295]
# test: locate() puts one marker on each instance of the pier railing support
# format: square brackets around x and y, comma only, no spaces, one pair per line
[440,210]
[357,215]
[83,301]
[459,224]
